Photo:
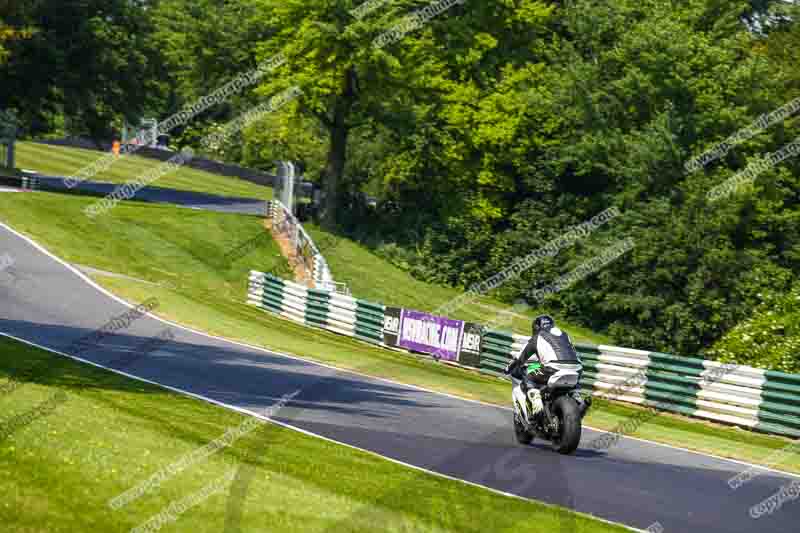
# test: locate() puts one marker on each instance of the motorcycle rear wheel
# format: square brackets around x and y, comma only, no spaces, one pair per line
[569,425]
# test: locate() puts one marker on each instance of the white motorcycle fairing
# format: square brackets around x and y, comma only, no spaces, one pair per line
[519,400]
[563,379]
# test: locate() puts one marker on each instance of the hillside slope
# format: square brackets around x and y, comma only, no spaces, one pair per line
[62,161]
[371,277]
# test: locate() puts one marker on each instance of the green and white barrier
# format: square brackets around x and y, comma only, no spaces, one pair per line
[30,184]
[735,394]
[23,182]
[318,308]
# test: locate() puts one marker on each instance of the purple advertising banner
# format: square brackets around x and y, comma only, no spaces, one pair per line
[426,333]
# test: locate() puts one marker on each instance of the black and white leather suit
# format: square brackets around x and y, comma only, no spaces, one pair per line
[547,345]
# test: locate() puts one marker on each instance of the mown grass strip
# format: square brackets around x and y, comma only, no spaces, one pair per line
[62,161]
[111,433]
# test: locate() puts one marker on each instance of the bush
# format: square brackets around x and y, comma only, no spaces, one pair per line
[770,339]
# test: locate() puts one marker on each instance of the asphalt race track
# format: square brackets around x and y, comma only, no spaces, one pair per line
[635,483]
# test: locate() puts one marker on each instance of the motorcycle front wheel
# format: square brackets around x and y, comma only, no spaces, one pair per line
[569,425]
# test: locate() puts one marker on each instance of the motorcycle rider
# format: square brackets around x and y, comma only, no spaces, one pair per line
[548,343]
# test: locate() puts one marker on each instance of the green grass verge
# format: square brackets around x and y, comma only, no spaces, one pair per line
[109,434]
[64,161]
[6,172]
[162,243]
[373,278]
[148,241]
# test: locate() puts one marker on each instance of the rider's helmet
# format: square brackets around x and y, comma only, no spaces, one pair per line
[543,322]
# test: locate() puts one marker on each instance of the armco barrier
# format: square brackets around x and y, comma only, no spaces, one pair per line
[322,309]
[736,394]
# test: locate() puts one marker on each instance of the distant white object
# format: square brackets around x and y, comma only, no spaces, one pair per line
[26,171]
[146,133]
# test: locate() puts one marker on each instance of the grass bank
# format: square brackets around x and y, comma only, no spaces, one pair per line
[65,161]
[372,277]
[162,243]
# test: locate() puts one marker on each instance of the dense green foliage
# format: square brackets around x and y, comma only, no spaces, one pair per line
[770,336]
[77,65]
[495,126]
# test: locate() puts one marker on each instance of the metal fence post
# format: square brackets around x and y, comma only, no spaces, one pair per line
[8,134]
[289,203]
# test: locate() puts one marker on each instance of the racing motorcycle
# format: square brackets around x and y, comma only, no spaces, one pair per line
[563,406]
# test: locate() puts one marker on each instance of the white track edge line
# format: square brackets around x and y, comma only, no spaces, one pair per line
[311,361]
[311,434]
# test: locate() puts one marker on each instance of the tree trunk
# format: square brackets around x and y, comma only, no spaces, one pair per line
[337,153]
[337,157]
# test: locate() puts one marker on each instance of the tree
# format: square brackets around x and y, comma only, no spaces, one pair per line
[93,63]
[9,34]
[349,83]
